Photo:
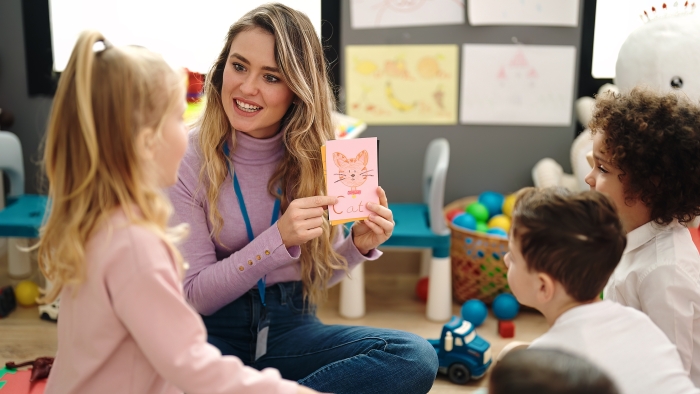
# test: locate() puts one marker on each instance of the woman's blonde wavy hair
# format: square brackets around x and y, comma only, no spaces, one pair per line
[105,99]
[306,126]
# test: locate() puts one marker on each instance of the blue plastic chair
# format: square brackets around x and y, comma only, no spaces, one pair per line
[419,226]
[24,213]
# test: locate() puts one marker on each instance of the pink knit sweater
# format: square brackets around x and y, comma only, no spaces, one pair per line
[128,328]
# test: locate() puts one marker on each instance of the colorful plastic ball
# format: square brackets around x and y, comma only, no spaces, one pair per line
[422,289]
[479,211]
[454,212]
[26,293]
[500,221]
[493,202]
[508,205]
[465,220]
[497,231]
[482,227]
[505,306]
[475,312]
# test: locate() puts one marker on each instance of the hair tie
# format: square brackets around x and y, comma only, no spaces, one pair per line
[101,48]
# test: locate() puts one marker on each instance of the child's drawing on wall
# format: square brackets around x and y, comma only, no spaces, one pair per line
[402,84]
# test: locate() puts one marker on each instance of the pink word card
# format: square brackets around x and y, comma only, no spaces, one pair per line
[350,168]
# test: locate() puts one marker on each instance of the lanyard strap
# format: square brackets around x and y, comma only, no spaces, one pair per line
[246,218]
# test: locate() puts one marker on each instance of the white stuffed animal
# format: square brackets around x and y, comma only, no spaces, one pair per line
[664,55]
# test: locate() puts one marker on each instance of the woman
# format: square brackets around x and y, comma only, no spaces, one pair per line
[254,275]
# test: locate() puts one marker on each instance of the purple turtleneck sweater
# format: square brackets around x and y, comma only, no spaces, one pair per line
[218,275]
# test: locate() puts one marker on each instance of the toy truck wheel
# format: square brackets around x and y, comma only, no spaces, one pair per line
[459,374]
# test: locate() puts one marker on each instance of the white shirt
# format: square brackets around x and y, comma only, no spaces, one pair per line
[659,274]
[624,343]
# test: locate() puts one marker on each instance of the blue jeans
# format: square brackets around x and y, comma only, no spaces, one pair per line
[331,359]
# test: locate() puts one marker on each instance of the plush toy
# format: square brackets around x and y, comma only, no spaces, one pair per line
[662,54]
[41,367]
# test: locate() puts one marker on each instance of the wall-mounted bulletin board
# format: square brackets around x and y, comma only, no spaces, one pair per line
[517,64]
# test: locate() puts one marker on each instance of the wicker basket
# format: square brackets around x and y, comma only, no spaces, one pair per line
[478,270]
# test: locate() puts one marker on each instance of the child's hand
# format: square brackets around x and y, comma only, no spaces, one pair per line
[374,231]
[303,219]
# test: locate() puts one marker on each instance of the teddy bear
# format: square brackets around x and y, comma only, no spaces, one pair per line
[662,54]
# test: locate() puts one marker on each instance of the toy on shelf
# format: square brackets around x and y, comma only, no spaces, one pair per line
[195,86]
[347,127]
[661,54]
[505,307]
[26,293]
[195,96]
[8,302]
[462,354]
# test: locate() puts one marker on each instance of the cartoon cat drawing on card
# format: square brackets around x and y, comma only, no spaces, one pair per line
[352,172]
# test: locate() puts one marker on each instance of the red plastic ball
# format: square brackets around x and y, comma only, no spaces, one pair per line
[422,289]
[451,214]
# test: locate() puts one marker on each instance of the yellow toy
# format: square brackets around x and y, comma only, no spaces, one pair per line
[500,221]
[26,293]
[508,205]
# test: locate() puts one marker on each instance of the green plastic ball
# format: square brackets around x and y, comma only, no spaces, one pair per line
[482,227]
[479,211]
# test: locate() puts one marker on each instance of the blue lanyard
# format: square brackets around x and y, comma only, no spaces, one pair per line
[244,212]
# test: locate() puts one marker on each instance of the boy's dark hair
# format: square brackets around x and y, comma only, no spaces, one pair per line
[655,140]
[576,238]
[548,371]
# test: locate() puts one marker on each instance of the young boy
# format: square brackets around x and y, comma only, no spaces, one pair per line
[563,248]
[646,154]
[548,371]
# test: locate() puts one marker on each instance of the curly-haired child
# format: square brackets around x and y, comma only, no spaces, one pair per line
[646,153]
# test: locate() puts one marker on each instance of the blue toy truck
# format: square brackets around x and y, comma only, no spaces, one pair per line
[462,354]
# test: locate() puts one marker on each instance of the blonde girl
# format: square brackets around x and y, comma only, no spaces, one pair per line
[115,138]
[261,250]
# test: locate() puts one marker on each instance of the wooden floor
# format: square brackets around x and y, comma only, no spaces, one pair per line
[390,298]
